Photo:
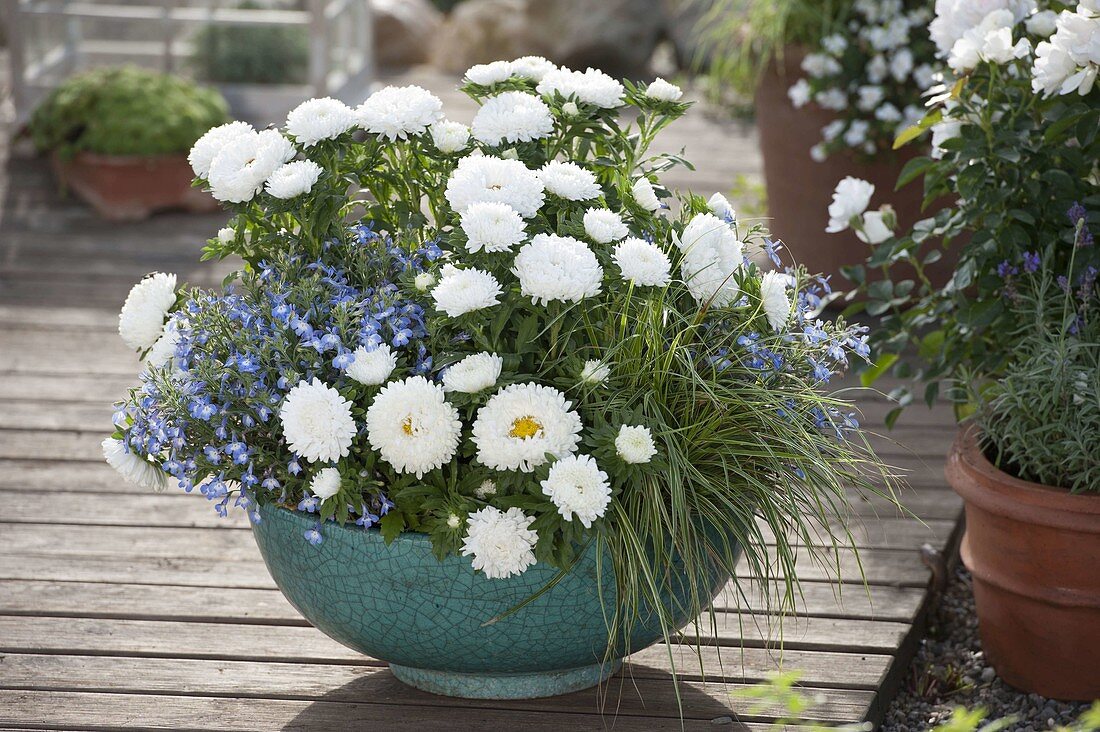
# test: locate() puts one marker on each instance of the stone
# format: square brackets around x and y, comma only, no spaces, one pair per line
[617,36]
[404,31]
[480,31]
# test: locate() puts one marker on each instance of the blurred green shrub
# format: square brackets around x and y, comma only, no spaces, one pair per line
[125,111]
[251,54]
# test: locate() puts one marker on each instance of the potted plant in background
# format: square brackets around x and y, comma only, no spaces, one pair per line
[1015,334]
[520,419]
[119,138]
[834,83]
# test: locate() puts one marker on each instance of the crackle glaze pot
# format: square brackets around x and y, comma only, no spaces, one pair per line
[428,618]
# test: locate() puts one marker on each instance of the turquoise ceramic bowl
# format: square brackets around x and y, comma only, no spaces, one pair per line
[427,618]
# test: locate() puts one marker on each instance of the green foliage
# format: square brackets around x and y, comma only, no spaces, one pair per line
[741,38]
[1016,167]
[125,111]
[251,54]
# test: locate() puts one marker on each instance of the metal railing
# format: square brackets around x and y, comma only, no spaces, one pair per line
[52,39]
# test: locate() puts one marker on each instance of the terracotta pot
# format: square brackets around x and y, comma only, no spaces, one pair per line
[800,189]
[131,187]
[1034,553]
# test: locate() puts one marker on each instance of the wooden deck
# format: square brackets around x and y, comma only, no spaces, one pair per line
[123,609]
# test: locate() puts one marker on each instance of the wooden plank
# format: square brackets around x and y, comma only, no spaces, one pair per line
[375,684]
[52,710]
[218,549]
[50,389]
[305,645]
[236,605]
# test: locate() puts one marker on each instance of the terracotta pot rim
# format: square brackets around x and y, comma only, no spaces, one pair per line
[979,482]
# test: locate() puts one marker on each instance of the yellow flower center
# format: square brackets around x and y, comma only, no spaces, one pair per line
[407,426]
[525,428]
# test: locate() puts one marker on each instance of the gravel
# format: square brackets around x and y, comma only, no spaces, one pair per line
[950,670]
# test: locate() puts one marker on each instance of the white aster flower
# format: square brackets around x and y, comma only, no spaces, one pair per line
[835,44]
[141,320]
[317,422]
[492,226]
[423,281]
[851,198]
[818,153]
[372,367]
[521,424]
[395,112]
[226,235]
[453,521]
[293,179]
[325,484]
[552,267]
[712,255]
[164,350]
[479,178]
[513,116]
[449,137]
[134,468]
[775,300]
[634,444]
[720,206]
[604,226]
[240,169]
[924,75]
[595,372]
[490,73]
[644,195]
[486,489]
[888,113]
[874,229]
[570,109]
[578,488]
[412,426]
[569,181]
[319,119]
[500,542]
[462,291]
[533,68]
[799,93]
[207,147]
[660,90]
[643,263]
[588,87]
[474,373]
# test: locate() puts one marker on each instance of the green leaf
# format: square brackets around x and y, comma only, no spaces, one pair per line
[392,524]
[931,345]
[872,374]
[913,169]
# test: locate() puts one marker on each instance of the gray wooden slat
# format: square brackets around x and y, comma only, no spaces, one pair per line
[291,644]
[373,684]
[59,710]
